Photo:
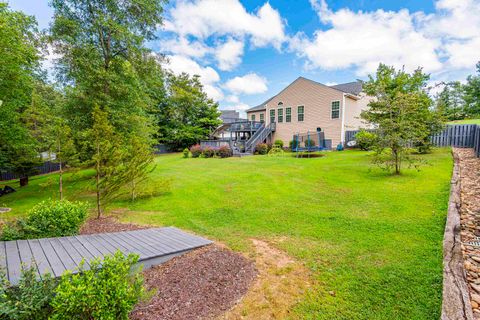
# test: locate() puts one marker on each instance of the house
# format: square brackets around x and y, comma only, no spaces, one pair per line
[309,106]
[229,116]
[316,114]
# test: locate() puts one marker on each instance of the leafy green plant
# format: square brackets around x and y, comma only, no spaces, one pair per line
[208,152]
[186,153]
[278,143]
[48,219]
[108,290]
[293,144]
[196,151]
[224,152]
[30,299]
[365,139]
[309,143]
[261,148]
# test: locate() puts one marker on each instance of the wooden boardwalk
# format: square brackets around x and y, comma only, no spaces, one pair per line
[55,255]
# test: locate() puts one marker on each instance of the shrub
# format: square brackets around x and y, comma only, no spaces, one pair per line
[196,151]
[30,299]
[269,146]
[365,140]
[48,219]
[224,152]
[261,148]
[108,290]
[279,143]
[208,152]
[186,153]
[309,143]
[293,144]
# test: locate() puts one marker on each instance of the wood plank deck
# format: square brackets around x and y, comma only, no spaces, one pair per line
[56,255]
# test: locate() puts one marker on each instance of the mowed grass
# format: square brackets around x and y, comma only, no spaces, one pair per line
[372,241]
[466,121]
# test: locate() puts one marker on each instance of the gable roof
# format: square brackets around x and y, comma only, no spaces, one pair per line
[354,88]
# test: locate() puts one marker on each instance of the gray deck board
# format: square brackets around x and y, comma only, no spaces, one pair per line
[56,255]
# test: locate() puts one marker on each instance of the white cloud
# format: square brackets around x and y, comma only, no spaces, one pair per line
[248,84]
[232,98]
[446,40]
[229,54]
[204,18]
[208,76]
[182,46]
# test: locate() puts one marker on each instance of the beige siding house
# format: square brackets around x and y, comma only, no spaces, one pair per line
[308,106]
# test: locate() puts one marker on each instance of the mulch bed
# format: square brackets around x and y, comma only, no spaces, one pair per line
[470,221]
[203,283]
[108,224]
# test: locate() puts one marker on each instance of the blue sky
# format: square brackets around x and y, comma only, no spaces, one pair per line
[246,51]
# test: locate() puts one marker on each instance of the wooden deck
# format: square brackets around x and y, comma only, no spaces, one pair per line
[55,255]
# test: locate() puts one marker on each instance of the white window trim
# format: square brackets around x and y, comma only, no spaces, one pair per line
[290,114]
[278,115]
[301,105]
[339,109]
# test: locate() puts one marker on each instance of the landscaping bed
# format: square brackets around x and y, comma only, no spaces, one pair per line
[470,224]
[200,284]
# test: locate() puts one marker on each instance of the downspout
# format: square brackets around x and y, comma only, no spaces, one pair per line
[342,135]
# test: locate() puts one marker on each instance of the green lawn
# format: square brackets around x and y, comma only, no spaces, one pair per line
[466,121]
[373,239]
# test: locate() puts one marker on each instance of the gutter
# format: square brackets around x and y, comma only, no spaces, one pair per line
[342,135]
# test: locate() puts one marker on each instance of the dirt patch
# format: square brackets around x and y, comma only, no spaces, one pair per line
[108,224]
[281,282]
[314,155]
[3,210]
[201,284]
[470,221]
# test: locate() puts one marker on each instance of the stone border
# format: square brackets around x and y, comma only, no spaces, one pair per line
[456,297]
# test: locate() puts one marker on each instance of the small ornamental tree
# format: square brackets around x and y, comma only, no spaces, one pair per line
[401,111]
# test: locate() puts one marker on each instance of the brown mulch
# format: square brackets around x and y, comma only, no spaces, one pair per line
[108,224]
[203,283]
[470,223]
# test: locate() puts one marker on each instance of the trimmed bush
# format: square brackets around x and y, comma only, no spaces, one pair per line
[365,140]
[108,290]
[208,152]
[309,143]
[261,148]
[279,143]
[30,299]
[293,144]
[196,151]
[48,219]
[186,153]
[224,152]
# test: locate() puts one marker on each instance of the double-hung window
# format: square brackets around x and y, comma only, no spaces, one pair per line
[272,115]
[280,115]
[262,118]
[253,117]
[335,109]
[301,113]
[288,114]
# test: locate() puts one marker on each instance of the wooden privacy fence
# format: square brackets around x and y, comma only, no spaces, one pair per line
[459,135]
[47,167]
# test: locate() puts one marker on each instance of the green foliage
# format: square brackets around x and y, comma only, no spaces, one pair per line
[310,143]
[48,219]
[293,144]
[108,290]
[366,140]
[186,153]
[401,111]
[187,115]
[208,152]
[196,151]
[276,151]
[224,152]
[261,148]
[30,299]
[278,143]
[472,94]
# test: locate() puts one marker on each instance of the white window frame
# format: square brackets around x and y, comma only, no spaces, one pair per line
[252,117]
[287,115]
[280,115]
[338,110]
[262,118]
[272,111]
[303,113]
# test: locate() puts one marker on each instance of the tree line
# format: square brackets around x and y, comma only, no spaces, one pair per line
[458,101]
[111,99]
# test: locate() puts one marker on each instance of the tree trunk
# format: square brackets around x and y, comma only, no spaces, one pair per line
[60,181]
[97,181]
[23,181]
[397,161]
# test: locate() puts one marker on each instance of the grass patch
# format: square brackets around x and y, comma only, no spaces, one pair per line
[373,239]
[466,121]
